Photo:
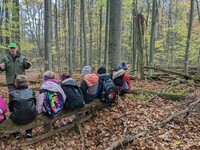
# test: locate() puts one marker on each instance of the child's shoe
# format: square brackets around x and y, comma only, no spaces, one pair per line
[16,136]
[29,134]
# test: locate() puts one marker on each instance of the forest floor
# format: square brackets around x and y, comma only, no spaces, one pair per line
[126,117]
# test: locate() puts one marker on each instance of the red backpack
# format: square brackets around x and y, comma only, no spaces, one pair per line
[126,86]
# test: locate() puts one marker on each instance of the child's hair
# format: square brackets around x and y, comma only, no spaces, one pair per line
[65,76]
[21,80]
[49,75]
[101,70]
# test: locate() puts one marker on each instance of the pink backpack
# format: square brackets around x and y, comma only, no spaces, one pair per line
[3,108]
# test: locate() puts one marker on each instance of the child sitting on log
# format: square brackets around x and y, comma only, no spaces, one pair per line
[3,109]
[89,85]
[22,104]
[52,97]
[74,98]
[121,80]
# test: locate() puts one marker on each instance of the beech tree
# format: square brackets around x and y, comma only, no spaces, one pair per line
[48,34]
[114,55]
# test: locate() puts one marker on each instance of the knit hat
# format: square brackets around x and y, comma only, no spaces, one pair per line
[65,76]
[124,65]
[101,70]
[86,70]
[21,80]
[119,73]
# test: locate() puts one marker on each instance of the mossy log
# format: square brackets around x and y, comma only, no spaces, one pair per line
[172,96]
[8,126]
[196,78]
[137,97]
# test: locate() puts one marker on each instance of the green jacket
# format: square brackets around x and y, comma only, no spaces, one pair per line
[14,66]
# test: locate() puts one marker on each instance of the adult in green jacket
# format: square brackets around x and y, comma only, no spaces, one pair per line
[14,64]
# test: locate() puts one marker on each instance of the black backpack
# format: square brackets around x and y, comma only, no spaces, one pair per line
[108,92]
[74,97]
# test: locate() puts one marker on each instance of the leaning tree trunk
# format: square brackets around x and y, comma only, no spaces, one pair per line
[48,34]
[115,33]
[189,37]
[152,38]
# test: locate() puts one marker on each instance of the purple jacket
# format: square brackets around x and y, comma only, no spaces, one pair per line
[3,108]
[51,86]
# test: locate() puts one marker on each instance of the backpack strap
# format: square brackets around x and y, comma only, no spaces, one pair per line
[43,91]
[99,88]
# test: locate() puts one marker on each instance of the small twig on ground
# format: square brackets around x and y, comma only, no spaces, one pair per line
[162,90]
[82,138]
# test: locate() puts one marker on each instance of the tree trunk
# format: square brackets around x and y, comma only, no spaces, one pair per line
[90,19]
[189,37]
[100,39]
[134,35]
[86,61]
[146,37]
[2,9]
[70,37]
[48,34]
[169,35]
[140,46]
[152,38]
[199,49]
[81,37]
[73,26]
[65,34]
[115,33]
[7,39]
[198,67]
[106,32]
[16,22]
[198,10]
[57,39]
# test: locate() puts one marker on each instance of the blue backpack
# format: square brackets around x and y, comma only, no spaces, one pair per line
[107,91]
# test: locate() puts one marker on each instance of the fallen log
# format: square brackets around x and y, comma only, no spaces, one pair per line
[50,133]
[196,78]
[129,138]
[8,126]
[172,96]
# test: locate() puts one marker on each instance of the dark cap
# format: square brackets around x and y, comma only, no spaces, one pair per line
[101,70]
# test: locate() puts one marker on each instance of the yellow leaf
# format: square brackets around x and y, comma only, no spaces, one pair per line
[176,143]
